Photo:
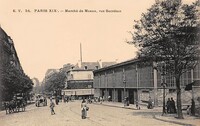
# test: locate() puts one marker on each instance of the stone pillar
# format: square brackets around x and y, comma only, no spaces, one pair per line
[113,95]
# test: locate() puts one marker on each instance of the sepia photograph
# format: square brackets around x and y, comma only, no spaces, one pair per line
[100,63]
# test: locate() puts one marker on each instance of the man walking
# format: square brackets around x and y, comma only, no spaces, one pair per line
[52,105]
[173,106]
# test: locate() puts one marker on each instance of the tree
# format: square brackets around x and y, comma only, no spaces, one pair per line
[55,82]
[14,81]
[169,32]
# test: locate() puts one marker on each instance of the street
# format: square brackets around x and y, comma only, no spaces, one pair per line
[69,114]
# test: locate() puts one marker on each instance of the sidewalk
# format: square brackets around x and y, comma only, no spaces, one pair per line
[120,105]
[157,114]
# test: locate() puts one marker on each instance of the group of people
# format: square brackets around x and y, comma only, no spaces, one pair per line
[84,108]
[98,99]
[171,107]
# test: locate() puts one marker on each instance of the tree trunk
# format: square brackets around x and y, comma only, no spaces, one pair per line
[178,100]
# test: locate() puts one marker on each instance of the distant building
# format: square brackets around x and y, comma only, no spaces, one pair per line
[80,78]
[36,86]
[50,72]
[35,82]
[139,81]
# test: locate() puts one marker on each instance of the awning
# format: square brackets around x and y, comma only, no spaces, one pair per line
[189,86]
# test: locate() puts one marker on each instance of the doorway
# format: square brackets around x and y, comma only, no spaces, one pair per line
[119,95]
[131,96]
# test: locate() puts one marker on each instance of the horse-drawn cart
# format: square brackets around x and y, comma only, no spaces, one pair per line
[17,104]
[40,100]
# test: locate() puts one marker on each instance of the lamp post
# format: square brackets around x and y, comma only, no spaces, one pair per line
[137,101]
[164,86]
[124,82]
[164,110]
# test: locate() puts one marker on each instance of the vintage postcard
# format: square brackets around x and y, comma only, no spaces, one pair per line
[99,62]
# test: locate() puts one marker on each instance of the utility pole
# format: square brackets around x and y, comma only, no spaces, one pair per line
[81,53]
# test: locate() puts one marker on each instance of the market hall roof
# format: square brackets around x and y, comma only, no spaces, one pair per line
[118,64]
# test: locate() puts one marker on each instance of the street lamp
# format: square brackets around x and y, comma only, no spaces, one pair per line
[137,101]
[164,110]
[124,81]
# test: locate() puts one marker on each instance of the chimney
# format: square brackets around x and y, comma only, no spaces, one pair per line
[81,53]
[100,63]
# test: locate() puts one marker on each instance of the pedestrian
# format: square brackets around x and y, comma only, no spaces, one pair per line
[84,109]
[50,99]
[137,104]
[45,101]
[52,105]
[109,98]
[67,99]
[188,110]
[101,99]
[193,108]
[127,101]
[150,103]
[57,100]
[173,106]
[168,105]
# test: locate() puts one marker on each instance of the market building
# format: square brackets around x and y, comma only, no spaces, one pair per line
[139,81]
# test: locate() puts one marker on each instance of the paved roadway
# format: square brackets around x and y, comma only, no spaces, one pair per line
[69,114]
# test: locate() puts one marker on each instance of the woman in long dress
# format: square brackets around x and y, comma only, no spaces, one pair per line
[83,109]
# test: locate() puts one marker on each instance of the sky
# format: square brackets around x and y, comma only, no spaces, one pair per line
[48,40]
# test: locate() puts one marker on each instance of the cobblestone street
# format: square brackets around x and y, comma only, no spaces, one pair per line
[68,114]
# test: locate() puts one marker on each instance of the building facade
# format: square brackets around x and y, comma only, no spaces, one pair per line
[139,81]
[80,78]
[8,55]
[79,81]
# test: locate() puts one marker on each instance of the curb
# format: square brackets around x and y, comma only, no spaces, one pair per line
[175,122]
[115,106]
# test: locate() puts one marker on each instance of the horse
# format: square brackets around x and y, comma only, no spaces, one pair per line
[14,106]
[10,106]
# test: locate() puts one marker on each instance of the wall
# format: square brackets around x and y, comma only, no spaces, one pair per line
[80,75]
[186,96]
[79,84]
[115,78]
[146,77]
